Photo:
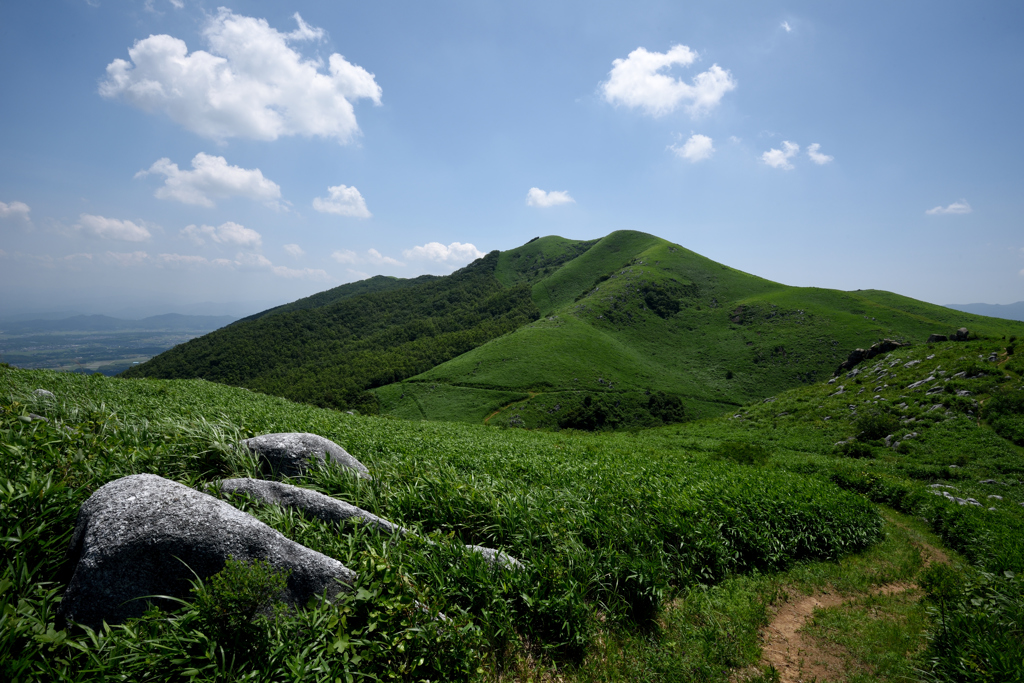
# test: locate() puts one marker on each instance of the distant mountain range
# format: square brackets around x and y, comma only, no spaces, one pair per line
[170,322]
[1006,311]
[626,330]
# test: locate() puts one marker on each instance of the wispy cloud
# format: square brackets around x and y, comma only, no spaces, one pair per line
[786,27]
[638,82]
[16,211]
[343,201]
[251,83]
[111,228]
[378,258]
[345,256]
[294,250]
[229,233]
[242,261]
[212,177]
[373,256]
[779,158]
[696,148]
[956,207]
[539,198]
[816,156]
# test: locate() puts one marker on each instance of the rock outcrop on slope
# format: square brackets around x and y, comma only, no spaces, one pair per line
[290,454]
[329,509]
[144,535]
[313,503]
[858,355]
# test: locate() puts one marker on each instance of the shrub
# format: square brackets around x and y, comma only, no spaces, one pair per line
[233,604]
[666,407]
[978,634]
[1005,413]
[742,452]
[873,426]
[855,449]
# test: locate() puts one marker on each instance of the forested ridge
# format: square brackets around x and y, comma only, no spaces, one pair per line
[329,355]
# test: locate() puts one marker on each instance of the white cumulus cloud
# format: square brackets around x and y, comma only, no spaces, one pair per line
[816,156]
[638,82]
[455,254]
[779,158]
[294,250]
[786,27]
[251,83]
[229,233]
[343,201]
[211,177]
[542,199]
[17,211]
[112,228]
[956,207]
[696,148]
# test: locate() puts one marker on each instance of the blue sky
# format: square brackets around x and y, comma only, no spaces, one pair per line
[163,153]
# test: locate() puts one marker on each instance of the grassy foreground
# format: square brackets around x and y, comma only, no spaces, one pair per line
[652,554]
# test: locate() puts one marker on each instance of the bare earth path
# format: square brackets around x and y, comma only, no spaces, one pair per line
[801,658]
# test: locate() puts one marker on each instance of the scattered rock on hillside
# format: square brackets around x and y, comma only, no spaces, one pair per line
[292,453]
[144,535]
[961,334]
[43,393]
[313,503]
[937,338]
[858,355]
[330,509]
[496,557]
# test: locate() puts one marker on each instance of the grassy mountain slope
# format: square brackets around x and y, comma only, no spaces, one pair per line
[635,315]
[331,353]
[651,555]
[627,330]
[377,283]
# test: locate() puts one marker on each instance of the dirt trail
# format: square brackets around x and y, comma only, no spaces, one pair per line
[799,657]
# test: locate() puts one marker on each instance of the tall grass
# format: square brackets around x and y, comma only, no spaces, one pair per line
[609,529]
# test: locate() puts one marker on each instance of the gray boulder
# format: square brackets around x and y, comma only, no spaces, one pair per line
[292,453]
[144,535]
[961,334]
[330,509]
[496,557]
[44,394]
[311,502]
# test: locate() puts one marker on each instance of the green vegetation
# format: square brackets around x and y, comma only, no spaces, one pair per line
[660,551]
[329,349]
[523,337]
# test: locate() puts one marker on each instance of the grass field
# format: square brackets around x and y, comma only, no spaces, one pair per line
[656,554]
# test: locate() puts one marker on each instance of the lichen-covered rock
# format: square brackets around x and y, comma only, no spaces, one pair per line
[330,509]
[496,557]
[311,502]
[144,535]
[292,453]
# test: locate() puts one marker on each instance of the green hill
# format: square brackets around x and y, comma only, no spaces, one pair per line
[664,550]
[635,315]
[628,330]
